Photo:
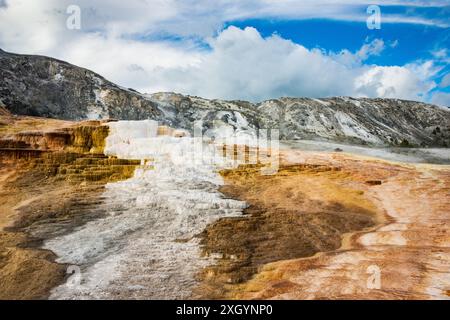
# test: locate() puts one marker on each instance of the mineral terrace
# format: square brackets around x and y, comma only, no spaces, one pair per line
[125,207]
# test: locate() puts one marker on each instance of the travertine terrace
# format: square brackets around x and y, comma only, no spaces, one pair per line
[52,174]
[405,254]
[125,203]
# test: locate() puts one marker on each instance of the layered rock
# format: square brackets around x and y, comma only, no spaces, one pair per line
[147,246]
[51,181]
[326,225]
[45,87]
[404,255]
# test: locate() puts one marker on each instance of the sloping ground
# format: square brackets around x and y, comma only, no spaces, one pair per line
[360,121]
[327,225]
[51,178]
[302,210]
[46,87]
[146,247]
[406,256]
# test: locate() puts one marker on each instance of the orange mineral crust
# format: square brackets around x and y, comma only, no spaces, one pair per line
[333,226]
[52,173]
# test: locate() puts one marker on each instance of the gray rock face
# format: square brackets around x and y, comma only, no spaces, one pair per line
[362,121]
[46,87]
[41,86]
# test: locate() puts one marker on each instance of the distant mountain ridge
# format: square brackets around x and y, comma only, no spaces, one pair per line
[47,87]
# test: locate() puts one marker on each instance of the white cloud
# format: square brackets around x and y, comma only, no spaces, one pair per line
[29,24]
[392,82]
[373,48]
[441,99]
[241,63]
[38,25]
[394,44]
[445,82]
[244,65]
[440,53]
[127,62]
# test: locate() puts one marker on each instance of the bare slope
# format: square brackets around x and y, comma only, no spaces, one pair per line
[46,87]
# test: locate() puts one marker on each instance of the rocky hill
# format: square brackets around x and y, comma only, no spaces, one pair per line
[46,87]
[42,86]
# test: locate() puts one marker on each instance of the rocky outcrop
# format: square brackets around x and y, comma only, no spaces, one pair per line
[332,226]
[301,210]
[360,121]
[324,226]
[342,119]
[46,87]
[52,175]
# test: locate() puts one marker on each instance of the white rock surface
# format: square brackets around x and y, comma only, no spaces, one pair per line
[133,252]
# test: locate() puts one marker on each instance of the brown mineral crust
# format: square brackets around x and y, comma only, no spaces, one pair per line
[52,174]
[307,234]
[303,209]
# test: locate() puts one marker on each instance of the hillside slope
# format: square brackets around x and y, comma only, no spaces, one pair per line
[46,87]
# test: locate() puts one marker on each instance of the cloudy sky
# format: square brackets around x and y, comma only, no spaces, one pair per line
[252,50]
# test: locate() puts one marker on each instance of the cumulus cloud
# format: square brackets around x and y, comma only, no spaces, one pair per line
[40,25]
[441,99]
[29,24]
[373,48]
[122,41]
[392,82]
[244,65]
[445,82]
[130,63]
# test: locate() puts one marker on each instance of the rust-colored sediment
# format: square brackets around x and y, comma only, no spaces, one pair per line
[52,174]
[325,224]
[321,228]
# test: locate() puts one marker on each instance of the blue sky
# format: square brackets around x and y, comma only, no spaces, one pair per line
[410,41]
[405,42]
[254,49]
